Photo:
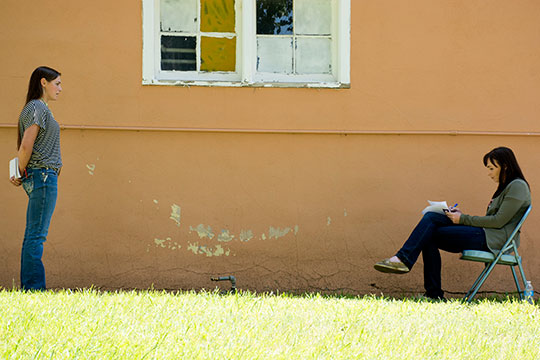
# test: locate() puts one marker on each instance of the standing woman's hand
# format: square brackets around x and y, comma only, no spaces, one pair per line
[14,181]
[25,150]
[454,215]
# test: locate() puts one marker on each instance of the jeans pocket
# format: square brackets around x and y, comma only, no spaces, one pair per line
[28,185]
[44,176]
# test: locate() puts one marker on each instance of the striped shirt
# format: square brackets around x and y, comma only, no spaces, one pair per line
[46,151]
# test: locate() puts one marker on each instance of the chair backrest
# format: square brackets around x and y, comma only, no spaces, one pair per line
[510,243]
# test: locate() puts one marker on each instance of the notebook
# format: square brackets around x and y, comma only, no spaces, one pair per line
[14,168]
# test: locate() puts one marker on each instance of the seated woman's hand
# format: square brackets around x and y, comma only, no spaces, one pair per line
[454,215]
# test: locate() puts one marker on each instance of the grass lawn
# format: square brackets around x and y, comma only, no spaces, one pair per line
[89,324]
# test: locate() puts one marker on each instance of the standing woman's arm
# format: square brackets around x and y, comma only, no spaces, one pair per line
[25,150]
[27,146]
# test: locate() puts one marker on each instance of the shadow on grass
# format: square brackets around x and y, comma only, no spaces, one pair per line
[481,297]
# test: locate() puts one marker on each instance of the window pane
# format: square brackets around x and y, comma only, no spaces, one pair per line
[218,54]
[178,53]
[217,15]
[313,56]
[179,15]
[274,54]
[274,17]
[313,17]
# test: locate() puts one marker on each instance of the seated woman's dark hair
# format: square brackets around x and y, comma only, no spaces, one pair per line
[505,159]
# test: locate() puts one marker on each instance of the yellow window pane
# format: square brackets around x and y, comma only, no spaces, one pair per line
[217,15]
[218,54]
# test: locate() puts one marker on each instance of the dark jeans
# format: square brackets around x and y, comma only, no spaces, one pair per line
[435,231]
[41,188]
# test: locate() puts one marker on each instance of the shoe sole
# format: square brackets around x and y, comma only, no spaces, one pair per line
[389,269]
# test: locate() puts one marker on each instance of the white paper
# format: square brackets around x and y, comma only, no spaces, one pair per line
[14,168]
[436,206]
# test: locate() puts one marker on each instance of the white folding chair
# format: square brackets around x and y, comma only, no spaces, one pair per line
[502,258]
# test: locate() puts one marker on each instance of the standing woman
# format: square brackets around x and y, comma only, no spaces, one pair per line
[40,162]
[456,231]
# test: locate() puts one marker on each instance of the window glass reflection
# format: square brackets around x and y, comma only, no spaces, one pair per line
[178,53]
[274,17]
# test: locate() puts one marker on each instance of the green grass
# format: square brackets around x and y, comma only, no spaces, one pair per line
[90,324]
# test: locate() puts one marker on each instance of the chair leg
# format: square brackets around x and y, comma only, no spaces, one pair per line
[476,281]
[520,266]
[520,293]
[482,278]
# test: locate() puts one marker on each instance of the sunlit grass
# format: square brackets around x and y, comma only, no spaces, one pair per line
[90,324]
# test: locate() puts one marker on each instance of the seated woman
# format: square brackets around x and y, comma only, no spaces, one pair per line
[455,231]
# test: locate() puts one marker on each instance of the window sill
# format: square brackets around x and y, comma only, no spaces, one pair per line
[189,83]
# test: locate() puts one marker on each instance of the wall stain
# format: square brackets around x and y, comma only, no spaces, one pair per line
[91,168]
[345,212]
[328,221]
[277,232]
[225,236]
[246,235]
[296,228]
[208,250]
[203,231]
[175,214]
[167,244]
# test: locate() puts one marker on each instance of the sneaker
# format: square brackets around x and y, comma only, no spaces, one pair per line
[391,267]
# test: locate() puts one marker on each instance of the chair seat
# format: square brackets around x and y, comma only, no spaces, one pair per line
[486,256]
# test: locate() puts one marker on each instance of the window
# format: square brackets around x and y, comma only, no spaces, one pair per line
[247,42]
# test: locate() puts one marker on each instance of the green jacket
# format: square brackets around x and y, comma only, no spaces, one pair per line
[503,214]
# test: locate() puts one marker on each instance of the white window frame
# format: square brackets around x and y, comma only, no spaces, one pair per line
[246,54]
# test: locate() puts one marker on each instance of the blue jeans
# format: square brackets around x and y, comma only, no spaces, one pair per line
[433,232]
[41,186]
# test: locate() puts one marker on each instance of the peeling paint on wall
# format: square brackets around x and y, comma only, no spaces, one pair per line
[203,231]
[175,214]
[246,235]
[225,236]
[277,232]
[91,168]
[160,242]
[208,250]
[156,202]
[344,212]
[328,221]
[167,243]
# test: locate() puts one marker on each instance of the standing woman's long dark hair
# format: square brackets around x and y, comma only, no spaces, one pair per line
[35,91]
[505,159]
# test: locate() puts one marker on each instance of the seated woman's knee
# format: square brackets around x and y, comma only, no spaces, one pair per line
[432,216]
